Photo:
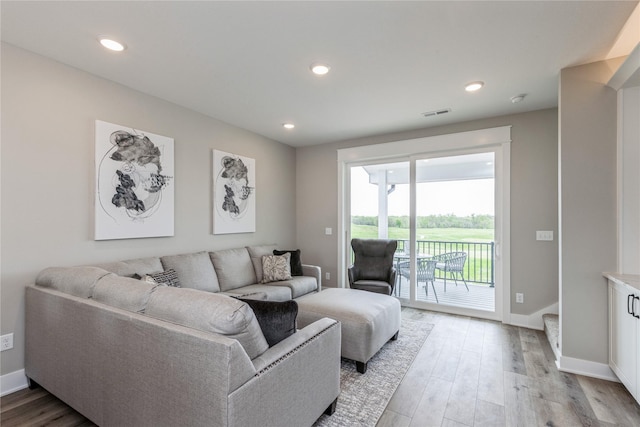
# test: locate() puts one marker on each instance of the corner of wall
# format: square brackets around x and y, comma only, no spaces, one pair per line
[534,320]
[12,382]
[586,367]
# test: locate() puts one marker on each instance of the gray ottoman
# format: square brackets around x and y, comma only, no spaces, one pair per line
[368,319]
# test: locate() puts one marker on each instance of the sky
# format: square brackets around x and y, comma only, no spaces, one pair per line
[461,198]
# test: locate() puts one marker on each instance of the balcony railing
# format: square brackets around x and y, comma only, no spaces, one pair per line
[479,267]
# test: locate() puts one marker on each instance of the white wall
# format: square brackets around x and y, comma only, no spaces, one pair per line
[48,114]
[588,246]
[629,180]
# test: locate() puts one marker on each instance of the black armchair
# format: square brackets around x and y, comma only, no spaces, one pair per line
[373,269]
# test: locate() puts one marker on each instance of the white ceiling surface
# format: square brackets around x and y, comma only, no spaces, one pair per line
[247,63]
[452,168]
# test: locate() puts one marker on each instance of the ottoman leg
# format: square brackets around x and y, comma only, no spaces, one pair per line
[361,367]
[331,408]
[395,337]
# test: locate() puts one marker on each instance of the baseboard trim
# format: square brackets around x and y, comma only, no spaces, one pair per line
[587,368]
[12,382]
[534,320]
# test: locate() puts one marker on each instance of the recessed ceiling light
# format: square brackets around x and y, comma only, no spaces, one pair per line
[473,86]
[288,125]
[518,98]
[319,69]
[112,44]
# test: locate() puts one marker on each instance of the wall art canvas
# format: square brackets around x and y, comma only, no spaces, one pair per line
[134,183]
[234,193]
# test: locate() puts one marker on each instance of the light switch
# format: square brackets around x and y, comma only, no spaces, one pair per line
[544,235]
[328,231]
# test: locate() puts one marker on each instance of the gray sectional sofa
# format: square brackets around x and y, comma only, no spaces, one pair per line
[126,352]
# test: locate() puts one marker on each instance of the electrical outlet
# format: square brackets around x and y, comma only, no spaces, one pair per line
[6,342]
[327,275]
[544,235]
[520,298]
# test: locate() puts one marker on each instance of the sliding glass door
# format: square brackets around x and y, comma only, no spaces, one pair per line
[442,211]
[454,239]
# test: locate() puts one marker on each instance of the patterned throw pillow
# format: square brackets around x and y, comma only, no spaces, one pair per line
[168,277]
[276,268]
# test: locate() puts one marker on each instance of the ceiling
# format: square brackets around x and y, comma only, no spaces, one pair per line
[247,63]
[453,168]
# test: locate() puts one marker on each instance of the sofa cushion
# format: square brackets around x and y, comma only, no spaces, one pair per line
[273,293]
[194,271]
[233,268]
[299,285]
[121,268]
[277,319]
[276,267]
[209,312]
[168,277]
[76,281]
[256,253]
[123,292]
[129,268]
[296,261]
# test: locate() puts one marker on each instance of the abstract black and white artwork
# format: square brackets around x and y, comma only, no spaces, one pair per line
[134,183]
[234,193]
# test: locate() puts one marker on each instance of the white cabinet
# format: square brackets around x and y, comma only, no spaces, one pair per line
[624,334]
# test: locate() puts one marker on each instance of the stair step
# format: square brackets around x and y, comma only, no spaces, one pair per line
[552,330]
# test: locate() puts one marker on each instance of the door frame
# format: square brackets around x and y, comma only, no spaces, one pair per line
[498,139]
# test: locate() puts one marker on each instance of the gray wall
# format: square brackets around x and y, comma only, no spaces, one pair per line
[588,206]
[48,114]
[534,200]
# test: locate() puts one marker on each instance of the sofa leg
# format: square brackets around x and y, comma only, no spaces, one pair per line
[395,337]
[331,408]
[361,367]
[32,384]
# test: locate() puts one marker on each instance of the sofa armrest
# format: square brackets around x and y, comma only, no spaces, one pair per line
[313,271]
[291,344]
[301,374]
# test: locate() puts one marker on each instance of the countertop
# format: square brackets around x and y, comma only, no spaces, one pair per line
[632,280]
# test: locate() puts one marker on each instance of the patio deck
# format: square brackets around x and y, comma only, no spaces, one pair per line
[479,297]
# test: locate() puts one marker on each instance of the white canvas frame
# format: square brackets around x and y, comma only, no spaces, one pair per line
[134,183]
[234,193]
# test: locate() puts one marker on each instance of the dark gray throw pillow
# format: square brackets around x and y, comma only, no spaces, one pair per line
[296,262]
[277,319]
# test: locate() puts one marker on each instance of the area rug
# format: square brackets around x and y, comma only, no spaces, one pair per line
[363,398]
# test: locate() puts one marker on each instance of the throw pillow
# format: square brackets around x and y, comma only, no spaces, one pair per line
[276,268]
[277,319]
[296,262]
[168,277]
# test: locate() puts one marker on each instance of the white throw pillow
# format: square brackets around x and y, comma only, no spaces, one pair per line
[276,268]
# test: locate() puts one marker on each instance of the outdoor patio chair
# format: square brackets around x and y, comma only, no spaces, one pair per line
[427,273]
[372,268]
[452,263]
[403,268]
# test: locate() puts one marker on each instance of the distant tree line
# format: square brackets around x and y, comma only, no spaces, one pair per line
[431,221]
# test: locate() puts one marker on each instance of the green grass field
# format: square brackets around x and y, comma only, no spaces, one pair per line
[478,235]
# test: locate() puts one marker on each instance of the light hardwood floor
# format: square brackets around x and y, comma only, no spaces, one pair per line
[469,372]
[474,372]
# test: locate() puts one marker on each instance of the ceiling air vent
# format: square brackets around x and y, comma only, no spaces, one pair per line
[437,112]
